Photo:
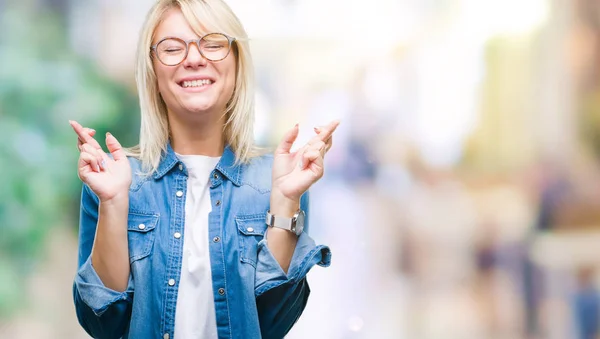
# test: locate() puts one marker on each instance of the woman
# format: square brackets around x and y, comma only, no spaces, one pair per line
[173,233]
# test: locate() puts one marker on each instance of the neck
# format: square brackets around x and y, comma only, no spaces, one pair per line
[199,137]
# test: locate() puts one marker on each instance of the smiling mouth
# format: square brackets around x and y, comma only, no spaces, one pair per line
[196,83]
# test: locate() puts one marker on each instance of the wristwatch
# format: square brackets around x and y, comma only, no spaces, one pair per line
[294,224]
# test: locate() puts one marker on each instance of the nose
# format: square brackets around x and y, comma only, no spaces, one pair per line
[194,57]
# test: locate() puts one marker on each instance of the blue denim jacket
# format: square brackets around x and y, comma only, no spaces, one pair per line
[253,296]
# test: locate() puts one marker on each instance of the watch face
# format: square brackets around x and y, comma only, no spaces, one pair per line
[300,222]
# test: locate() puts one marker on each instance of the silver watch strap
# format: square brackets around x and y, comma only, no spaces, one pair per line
[279,222]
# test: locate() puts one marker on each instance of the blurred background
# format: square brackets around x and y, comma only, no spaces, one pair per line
[462,195]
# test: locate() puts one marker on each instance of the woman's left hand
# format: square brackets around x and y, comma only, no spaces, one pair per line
[295,172]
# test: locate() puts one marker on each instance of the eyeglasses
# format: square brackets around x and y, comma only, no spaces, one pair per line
[172,51]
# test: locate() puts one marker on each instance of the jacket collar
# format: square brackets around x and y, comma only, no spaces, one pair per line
[226,165]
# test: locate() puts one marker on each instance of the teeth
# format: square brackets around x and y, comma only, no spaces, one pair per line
[196,83]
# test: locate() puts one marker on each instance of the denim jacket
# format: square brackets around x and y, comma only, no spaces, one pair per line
[253,296]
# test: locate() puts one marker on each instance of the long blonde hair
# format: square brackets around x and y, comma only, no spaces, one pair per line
[216,16]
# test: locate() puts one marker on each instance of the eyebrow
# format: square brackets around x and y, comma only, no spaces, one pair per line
[196,37]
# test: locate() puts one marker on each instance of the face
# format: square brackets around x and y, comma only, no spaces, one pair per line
[196,86]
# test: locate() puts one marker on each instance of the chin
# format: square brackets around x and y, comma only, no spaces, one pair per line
[197,110]
[199,106]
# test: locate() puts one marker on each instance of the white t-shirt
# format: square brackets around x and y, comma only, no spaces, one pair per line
[195,310]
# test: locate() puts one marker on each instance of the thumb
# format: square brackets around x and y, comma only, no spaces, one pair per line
[114,147]
[288,140]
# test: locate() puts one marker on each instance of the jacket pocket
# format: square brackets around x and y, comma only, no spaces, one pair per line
[140,234]
[251,230]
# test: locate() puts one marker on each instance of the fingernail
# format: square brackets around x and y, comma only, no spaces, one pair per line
[297,124]
[93,130]
[317,130]
[103,164]
[108,134]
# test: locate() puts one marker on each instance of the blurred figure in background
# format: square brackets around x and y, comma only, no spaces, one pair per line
[586,304]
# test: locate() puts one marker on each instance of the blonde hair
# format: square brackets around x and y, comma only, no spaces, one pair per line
[216,16]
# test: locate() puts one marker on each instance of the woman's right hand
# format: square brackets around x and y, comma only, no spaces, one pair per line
[108,178]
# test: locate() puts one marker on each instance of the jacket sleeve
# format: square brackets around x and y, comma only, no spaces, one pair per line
[281,298]
[102,312]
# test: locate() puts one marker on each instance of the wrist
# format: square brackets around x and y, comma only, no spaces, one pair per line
[117,201]
[281,205]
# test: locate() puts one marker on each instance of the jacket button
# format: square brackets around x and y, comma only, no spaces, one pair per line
[216,239]
[166,336]
[221,291]
[171,282]
[216,176]
[250,229]
[181,169]
[177,235]
[141,226]
[218,202]
[179,194]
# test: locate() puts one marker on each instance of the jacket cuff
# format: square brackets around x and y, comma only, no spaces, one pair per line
[93,292]
[269,273]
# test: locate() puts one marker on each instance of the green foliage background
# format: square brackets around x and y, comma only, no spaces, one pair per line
[43,84]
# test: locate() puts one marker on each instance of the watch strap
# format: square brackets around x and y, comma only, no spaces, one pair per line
[280,222]
[285,223]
